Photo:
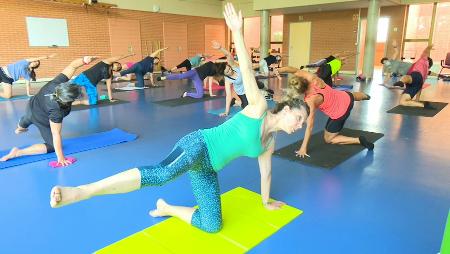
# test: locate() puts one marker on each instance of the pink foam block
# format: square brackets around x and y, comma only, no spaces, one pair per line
[55,164]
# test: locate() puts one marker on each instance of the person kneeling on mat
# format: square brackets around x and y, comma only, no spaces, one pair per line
[336,104]
[198,75]
[331,66]
[203,153]
[20,69]
[89,79]
[414,80]
[46,110]
[393,67]
[143,67]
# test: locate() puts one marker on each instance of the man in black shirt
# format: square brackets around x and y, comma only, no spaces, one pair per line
[46,111]
[89,79]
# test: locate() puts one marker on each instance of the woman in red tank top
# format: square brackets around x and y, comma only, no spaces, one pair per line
[337,105]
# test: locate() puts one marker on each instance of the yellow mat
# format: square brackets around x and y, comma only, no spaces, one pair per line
[246,223]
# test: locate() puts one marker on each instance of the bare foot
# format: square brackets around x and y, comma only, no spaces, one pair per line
[10,155]
[61,196]
[161,209]
[20,130]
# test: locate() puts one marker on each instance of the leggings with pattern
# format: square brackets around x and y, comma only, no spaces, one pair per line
[190,155]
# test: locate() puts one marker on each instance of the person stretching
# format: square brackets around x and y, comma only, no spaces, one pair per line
[203,153]
[46,111]
[20,69]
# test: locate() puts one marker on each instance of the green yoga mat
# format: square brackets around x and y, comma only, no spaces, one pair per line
[246,223]
[327,155]
[418,111]
[186,100]
[100,103]
[445,248]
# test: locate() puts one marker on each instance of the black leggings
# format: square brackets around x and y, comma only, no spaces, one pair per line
[138,71]
[186,64]
[324,73]
[46,132]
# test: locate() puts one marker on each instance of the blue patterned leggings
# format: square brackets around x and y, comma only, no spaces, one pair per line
[191,155]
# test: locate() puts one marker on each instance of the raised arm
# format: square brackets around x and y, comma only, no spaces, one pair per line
[157,52]
[116,58]
[287,69]
[254,96]
[216,45]
[40,58]
[426,51]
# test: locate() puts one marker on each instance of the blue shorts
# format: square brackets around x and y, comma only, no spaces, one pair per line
[91,90]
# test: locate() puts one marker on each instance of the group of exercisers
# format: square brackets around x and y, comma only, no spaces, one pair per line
[202,153]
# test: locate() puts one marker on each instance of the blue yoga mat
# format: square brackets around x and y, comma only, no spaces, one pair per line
[235,110]
[20,97]
[343,87]
[75,145]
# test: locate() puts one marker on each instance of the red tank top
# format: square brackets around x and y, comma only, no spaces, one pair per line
[335,103]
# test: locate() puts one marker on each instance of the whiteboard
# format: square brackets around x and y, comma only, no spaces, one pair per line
[47,32]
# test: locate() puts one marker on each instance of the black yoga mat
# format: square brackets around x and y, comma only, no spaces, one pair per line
[327,155]
[100,103]
[186,100]
[418,111]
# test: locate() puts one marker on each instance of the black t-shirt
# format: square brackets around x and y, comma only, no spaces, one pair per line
[44,109]
[146,64]
[271,59]
[98,72]
[206,70]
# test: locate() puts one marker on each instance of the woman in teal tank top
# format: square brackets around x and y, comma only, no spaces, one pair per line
[203,153]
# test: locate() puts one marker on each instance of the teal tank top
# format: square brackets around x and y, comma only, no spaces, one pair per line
[239,136]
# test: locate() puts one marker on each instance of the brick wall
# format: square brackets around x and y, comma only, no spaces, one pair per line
[330,32]
[337,31]
[88,31]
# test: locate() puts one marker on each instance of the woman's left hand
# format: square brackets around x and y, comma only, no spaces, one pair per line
[234,20]
[274,205]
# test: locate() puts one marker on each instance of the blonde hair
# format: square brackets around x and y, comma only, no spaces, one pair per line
[299,84]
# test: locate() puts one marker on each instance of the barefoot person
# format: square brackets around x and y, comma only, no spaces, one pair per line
[203,153]
[21,69]
[46,111]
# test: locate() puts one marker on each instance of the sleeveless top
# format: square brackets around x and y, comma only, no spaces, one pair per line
[335,102]
[239,136]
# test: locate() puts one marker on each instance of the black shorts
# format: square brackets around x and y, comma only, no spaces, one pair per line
[324,73]
[244,101]
[4,78]
[416,84]
[336,125]
[186,64]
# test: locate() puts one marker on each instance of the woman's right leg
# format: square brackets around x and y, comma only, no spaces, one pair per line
[177,162]
[7,91]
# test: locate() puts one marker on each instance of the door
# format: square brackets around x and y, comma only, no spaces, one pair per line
[175,38]
[299,43]
[214,33]
[125,37]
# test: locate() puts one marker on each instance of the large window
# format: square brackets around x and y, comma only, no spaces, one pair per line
[419,27]
[441,34]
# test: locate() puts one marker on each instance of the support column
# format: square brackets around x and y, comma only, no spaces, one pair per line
[371,38]
[264,42]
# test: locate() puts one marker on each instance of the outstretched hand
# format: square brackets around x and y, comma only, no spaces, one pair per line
[216,45]
[233,19]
